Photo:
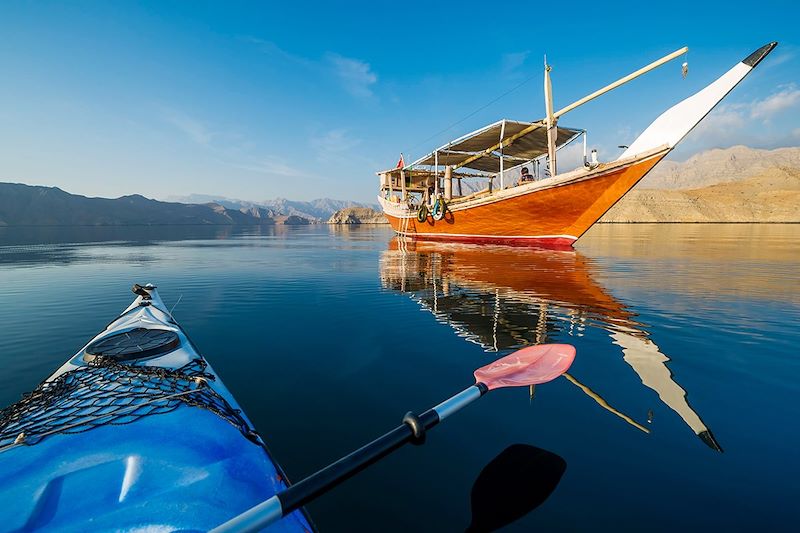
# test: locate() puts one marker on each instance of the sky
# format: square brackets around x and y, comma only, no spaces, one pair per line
[257,100]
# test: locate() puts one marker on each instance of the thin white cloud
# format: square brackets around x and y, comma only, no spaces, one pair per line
[511,62]
[748,123]
[271,165]
[230,148]
[271,49]
[356,76]
[784,54]
[785,99]
[193,128]
[722,125]
[570,157]
[333,144]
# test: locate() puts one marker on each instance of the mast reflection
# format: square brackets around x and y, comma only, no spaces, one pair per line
[505,298]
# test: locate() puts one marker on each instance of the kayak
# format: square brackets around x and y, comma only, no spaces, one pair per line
[134,432]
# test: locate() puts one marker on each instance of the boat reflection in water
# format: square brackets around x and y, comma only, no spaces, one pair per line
[504,298]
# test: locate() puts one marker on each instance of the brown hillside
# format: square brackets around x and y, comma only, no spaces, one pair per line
[357,215]
[772,195]
[719,166]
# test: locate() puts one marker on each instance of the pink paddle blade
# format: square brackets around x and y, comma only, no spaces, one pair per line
[528,366]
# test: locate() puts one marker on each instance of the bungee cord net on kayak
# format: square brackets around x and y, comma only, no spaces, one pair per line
[107,392]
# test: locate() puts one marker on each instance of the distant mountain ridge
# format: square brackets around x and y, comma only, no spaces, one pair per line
[737,184]
[720,165]
[319,210]
[32,205]
[358,215]
[770,196]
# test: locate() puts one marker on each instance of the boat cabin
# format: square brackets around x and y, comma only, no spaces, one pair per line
[477,164]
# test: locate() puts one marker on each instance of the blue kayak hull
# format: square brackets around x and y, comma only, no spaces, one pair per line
[185,468]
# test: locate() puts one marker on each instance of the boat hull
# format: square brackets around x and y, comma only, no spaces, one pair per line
[539,215]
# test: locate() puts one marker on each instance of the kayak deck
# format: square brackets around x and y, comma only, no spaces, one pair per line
[134,432]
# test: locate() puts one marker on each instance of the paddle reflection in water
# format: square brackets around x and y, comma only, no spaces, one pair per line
[512,485]
[503,298]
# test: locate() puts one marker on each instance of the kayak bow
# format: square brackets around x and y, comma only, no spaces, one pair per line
[134,432]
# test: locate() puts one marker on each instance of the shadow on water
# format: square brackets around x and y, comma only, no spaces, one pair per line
[504,298]
[512,485]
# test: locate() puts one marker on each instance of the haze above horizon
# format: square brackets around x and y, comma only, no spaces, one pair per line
[308,101]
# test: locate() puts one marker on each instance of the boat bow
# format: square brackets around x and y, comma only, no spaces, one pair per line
[675,123]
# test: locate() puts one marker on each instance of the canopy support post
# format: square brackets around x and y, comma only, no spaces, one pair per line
[436,175]
[403,184]
[502,135]
[584,148]
[448,183]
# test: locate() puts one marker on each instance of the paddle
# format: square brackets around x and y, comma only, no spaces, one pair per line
[529,366]
[512,485]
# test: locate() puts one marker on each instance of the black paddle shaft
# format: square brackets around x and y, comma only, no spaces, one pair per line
[412,429]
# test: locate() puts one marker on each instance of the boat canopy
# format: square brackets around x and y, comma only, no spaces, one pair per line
[514,141]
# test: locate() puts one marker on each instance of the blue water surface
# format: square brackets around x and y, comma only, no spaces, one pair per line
[680,410]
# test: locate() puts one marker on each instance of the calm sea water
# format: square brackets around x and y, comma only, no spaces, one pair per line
[687,342]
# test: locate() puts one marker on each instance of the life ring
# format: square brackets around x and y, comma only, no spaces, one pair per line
[439,209]
[422,213]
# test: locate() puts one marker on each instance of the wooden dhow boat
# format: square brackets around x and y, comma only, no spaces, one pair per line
[425,199]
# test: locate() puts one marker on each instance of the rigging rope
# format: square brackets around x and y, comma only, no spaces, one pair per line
[472,114]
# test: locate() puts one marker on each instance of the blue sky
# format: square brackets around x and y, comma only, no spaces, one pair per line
[256,100]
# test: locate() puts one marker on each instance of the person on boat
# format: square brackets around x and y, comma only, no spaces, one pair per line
[525,177]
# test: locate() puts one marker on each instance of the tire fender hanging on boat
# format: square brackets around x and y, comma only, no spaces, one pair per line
[439,209]
[422,213]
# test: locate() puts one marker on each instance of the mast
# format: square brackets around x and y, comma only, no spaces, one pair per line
[550,120]
[556,115]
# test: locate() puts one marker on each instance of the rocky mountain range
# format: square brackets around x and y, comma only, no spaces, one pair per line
[358,215]
[715,166]
[319,210]
[772,195]
[30,205]
[737,184]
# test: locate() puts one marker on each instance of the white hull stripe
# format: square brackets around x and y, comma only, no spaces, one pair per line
[416,234]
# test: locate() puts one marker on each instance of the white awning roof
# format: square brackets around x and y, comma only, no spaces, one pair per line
[472,150]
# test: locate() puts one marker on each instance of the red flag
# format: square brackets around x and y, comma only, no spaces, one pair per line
[401,163]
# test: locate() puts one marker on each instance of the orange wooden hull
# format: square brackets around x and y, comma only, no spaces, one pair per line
[554,217]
